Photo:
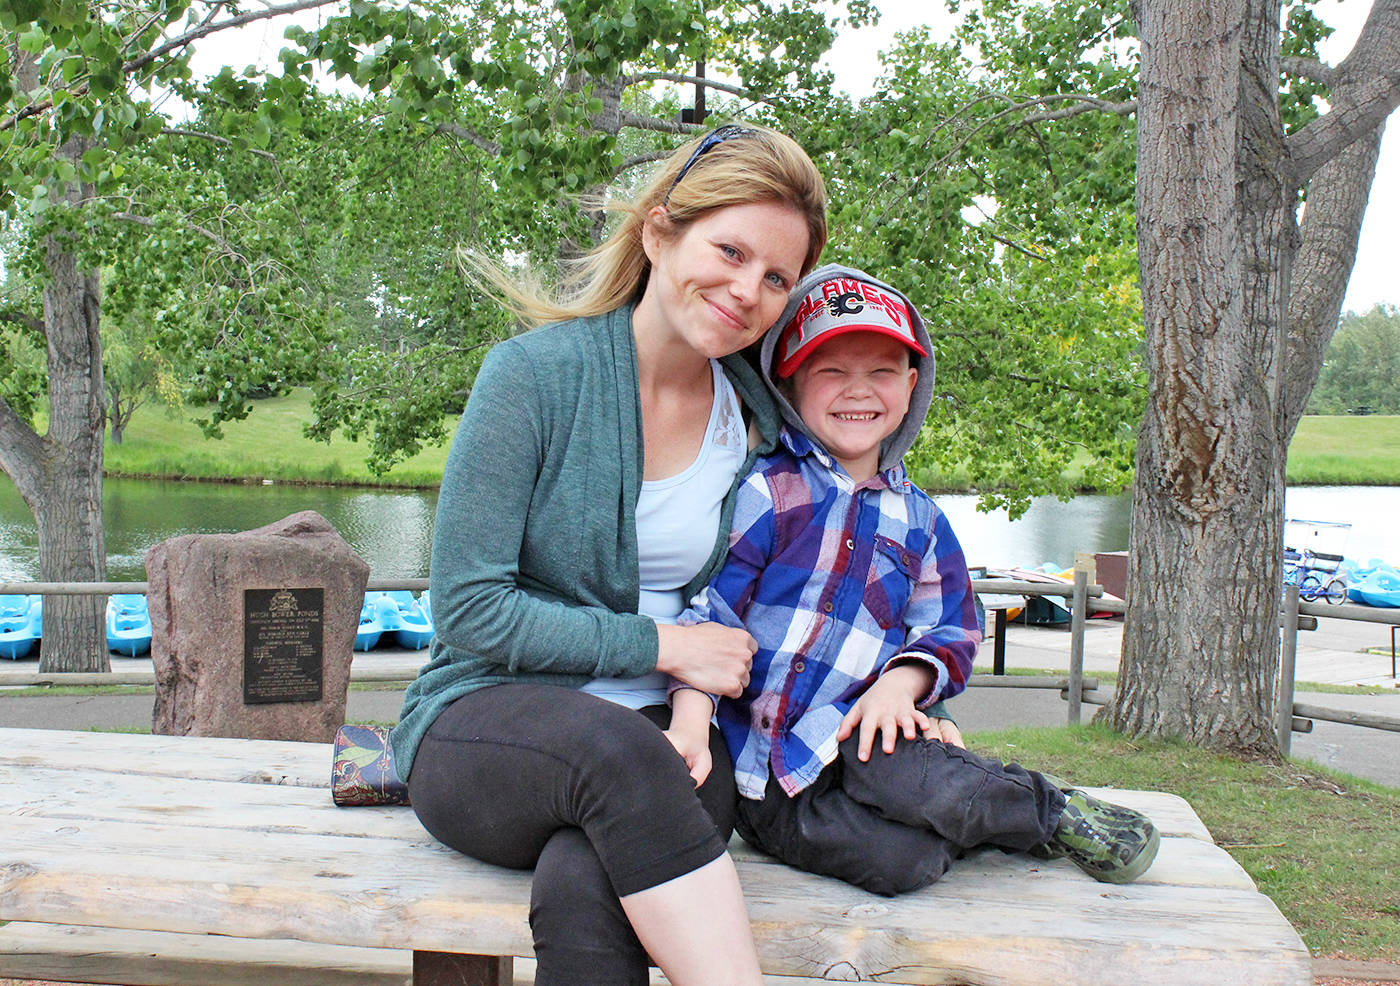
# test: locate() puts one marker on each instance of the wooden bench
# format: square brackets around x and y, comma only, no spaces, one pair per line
[236,843]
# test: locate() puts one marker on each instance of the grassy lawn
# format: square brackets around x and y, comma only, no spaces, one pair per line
[269,444]
[1346,449]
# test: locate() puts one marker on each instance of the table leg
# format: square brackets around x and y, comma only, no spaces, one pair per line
[452,969]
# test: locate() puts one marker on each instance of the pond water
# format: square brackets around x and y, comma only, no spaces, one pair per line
[393,529]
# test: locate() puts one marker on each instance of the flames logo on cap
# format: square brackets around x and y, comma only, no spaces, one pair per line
[849,303]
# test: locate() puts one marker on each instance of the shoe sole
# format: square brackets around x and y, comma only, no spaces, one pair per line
[1141,863]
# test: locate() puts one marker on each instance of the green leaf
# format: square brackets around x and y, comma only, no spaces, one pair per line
[33,41]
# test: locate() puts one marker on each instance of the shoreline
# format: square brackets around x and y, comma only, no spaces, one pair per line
[260,480]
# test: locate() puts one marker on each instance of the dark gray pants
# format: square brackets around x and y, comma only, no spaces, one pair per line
[897,822]
[588,793]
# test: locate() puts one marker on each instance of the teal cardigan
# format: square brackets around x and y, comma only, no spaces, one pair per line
[534,564]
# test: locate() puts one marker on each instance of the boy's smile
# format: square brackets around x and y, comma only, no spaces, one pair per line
[852,393]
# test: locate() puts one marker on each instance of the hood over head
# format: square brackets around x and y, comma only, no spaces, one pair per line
[890,321]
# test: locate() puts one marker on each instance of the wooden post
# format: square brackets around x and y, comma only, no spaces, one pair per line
[1079,602]
[451,969]
[999,642]
[1287,666]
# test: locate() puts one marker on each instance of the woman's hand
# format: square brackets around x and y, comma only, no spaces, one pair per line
[708,656]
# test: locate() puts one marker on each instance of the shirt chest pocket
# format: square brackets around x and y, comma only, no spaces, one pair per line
[893,572]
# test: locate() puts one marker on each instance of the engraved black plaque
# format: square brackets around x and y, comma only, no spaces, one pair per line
[282,645]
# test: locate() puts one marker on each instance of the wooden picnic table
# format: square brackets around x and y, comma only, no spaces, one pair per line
[238,838]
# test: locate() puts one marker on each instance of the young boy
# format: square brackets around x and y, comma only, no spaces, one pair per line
[857,592]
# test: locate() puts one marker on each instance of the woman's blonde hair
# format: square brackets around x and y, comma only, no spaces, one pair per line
[734,165]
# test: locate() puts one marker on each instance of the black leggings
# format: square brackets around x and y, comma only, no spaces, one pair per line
[587,792]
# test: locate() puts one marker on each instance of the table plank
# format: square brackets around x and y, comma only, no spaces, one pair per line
[65,953]
[214,802]
[88,794]
[287,764]
[196,757]
[346,890]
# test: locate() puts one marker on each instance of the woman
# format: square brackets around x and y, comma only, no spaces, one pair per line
[581,505]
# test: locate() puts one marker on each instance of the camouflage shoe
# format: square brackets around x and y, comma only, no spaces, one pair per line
[1111,843]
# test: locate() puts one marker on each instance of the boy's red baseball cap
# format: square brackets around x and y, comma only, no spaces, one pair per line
[835,306]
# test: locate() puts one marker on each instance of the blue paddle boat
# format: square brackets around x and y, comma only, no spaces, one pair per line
[128,624]
[371,622]
[416,624]
[1379,587]
[378,615]
[21,625]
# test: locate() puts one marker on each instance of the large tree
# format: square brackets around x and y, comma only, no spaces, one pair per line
[1240,300]
[76,86]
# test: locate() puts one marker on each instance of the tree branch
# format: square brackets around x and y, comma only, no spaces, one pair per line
[34,109]
[207,28]
[694,80]
[1366,91]
[20,318]
[1331,228]
[470,136]
[208,234]
[1084,103]
[1087,104]
[21,448]
[1011,244]
[136,34]
[640,122]
[1309,68]
[216,139]
[639,159]
[194,34]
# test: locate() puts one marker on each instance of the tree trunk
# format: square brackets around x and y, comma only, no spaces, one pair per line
[1216,239]
[1233,347]
[117,418]
[65,486]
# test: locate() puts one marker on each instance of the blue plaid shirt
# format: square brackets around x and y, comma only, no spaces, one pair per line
[836,582]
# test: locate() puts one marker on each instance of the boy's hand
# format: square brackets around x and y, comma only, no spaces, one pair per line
[945,731]
[695,751]
[888,708]
[689,732]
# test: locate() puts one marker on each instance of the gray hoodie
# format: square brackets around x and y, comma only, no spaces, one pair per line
[893,448]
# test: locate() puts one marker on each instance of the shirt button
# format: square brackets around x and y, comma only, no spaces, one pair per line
[767,722]
[905,559]
[850,544]
[827,607]
[799,667]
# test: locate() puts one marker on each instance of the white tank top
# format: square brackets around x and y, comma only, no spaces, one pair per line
[677,526]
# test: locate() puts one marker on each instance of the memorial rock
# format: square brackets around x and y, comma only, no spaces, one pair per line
[253,633]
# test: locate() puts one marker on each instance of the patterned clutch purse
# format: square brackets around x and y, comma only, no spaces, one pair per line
[362,772]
